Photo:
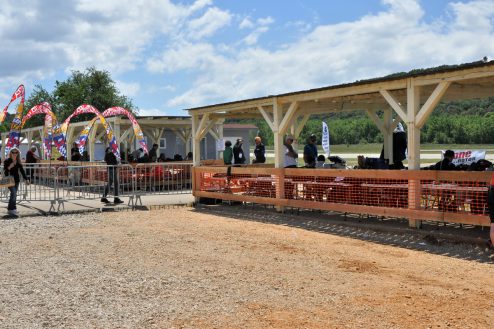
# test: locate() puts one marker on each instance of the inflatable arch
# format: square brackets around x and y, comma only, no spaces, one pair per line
[85,108]
[111,112]
[52,130]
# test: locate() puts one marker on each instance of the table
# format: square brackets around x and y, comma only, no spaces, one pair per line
[453,197]
[385,195]
[338,192]
[259,186]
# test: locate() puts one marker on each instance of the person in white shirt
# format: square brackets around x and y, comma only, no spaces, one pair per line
[290,154]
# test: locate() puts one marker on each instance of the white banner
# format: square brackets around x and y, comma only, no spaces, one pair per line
[325,138]
[220,145]
[467,157]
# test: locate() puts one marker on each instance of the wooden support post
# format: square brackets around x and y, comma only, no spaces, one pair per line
[92,142]
[188,138]
[413,105]
[221,136]
[196,142]
[279,149]
[388,136]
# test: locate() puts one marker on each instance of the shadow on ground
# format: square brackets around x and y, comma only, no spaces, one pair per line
[452,240]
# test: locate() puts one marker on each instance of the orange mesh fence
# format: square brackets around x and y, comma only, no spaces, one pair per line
[454,196]
[416,194]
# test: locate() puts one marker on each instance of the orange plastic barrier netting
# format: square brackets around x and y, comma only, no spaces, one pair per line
[442,196]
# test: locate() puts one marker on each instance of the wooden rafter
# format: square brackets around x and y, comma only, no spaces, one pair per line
[431,103]
[395,105]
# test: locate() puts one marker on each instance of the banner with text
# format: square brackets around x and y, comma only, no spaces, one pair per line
[467,157]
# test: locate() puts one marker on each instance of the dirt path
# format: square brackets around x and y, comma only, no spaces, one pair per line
[181,268]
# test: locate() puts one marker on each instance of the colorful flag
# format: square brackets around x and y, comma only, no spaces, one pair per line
[15,127]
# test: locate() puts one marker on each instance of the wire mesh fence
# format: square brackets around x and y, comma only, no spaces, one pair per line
[91,181]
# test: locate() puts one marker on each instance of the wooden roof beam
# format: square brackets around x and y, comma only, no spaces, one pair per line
[201,126]
[395,105]
[267,117]
[431,103]
[288,117]
[476,73]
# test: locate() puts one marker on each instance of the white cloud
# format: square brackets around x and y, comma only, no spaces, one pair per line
[129,89]
[206,25]
[262,27]
[152,112]
[252,38]
[185,55]
[393,40]
[473,16]
[265,21]
[110,34]
[246,23]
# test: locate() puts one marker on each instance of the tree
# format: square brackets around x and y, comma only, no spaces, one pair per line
[91,87]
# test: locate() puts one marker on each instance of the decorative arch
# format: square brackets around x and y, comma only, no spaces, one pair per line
[51,128]
[84,109]
[111,112]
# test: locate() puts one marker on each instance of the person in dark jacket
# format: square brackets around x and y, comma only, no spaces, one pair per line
[112,162]
[12,166]
[238,153]
[31,158]
[228,153]
[74,153]
[259,151]
[310,152]
[153,153]
[447,162]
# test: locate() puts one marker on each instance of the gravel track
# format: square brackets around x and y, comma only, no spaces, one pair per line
[204,268]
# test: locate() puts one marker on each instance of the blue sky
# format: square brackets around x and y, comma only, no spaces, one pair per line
[171,55]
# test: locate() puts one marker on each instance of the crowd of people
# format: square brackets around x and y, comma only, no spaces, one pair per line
[235,155]
[139,156]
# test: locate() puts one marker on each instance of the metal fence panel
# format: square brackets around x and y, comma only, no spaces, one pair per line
[163,178]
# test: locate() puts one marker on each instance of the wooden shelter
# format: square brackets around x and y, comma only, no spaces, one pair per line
[409,97]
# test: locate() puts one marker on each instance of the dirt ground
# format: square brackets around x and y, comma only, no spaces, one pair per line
[187,268]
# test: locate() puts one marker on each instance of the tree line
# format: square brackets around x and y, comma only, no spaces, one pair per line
[459,122]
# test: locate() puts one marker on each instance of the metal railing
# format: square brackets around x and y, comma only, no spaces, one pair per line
[59,183]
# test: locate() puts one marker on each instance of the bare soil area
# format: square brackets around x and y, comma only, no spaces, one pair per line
[187,268]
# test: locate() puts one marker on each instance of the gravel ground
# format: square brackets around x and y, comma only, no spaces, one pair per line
[240,268]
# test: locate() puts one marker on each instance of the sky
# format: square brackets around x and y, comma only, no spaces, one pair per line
[169,55]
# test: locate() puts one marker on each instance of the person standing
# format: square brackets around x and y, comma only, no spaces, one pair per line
[74,153]
[112,163]
[259,151]
[228,153]
[153,153]
[238,152]
[31,158]
[290,154]
[12,166]
[490,204]
[310,152]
